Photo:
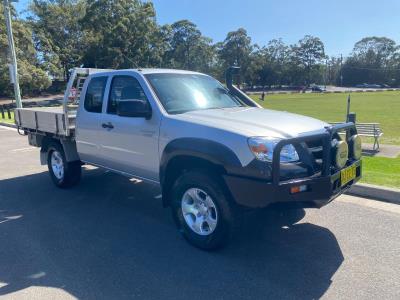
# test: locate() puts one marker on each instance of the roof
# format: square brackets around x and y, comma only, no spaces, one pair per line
[144,71]
[153,71]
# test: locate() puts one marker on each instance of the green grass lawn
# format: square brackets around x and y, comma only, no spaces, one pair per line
[381,171]
[6,119]
[380,107]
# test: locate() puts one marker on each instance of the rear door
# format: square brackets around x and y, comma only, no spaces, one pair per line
[130,144]
[89,120]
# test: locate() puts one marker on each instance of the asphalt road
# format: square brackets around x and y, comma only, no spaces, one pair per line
[109,238]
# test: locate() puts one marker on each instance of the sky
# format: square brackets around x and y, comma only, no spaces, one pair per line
[339,24]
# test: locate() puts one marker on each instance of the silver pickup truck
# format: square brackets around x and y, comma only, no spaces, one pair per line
[211,149]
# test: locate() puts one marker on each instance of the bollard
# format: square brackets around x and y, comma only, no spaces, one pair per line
[9,113]
[2,112]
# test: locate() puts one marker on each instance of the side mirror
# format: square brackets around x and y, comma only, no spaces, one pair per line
[134,108]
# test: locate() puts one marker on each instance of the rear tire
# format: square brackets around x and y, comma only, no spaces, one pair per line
[63,174]
[202,210]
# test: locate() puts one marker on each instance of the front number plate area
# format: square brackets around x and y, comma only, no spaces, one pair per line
[347,175]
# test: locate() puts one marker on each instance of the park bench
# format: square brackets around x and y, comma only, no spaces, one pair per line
[369,130]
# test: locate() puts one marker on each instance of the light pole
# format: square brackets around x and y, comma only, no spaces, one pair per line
[341,67]
[326,72]
[14,67]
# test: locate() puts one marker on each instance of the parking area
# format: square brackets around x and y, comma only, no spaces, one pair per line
[110,238]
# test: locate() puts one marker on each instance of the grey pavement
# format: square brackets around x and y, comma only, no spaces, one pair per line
[331,88]
[110,238]
[390,151]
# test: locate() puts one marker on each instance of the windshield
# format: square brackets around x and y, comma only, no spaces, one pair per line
[180,93]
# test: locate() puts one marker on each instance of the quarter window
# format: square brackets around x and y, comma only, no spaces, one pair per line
[94,94]
[124,88]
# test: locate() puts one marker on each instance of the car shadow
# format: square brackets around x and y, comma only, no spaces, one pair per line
[110,238]
[369,152]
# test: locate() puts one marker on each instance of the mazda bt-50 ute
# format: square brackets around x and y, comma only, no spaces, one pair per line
[211,148]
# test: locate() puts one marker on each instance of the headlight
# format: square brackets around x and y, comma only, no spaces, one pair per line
[263,149]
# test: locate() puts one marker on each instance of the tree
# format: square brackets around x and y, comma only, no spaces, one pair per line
[333,71]
[32,78]
[373,60]
[121,34]
[381,48]
[308,53]
[188,48]
[58,34]
[236,50]
[274,63]
[125,34]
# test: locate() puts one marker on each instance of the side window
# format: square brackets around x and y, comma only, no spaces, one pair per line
[124,88]
[94,94]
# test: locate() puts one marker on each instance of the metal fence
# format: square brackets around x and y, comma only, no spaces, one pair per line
[6,110]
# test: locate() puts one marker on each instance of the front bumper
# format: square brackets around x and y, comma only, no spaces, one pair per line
[320,190]
[321,187]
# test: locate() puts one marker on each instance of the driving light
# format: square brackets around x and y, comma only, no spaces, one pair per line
[342,154]
[355,148]
[263,149]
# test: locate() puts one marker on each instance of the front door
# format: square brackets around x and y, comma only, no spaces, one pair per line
[129,144]
[89,120]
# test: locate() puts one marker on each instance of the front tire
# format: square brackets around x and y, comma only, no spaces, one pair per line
[63,174]
[202,210]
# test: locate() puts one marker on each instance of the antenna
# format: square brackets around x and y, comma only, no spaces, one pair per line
[348,109]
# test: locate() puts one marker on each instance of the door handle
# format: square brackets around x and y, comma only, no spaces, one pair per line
[107,125]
